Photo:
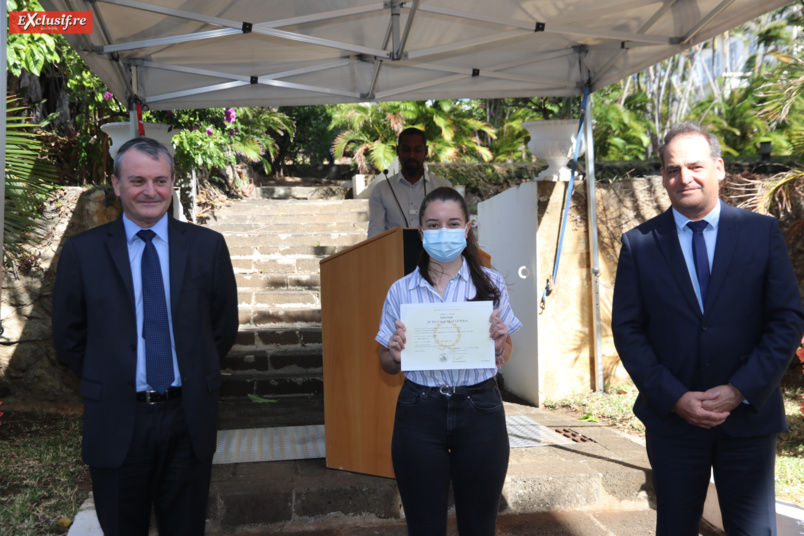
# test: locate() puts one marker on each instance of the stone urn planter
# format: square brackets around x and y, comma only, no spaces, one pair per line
[120,133]
[553,141]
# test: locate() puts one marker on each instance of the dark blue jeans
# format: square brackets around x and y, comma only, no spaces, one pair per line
[438,438]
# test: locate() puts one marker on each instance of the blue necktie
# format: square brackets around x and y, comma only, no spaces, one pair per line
[158,354]
[699,256]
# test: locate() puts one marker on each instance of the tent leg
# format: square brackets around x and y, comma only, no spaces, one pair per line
[594,263]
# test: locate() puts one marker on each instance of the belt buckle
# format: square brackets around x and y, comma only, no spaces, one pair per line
[447,390]
[148,397]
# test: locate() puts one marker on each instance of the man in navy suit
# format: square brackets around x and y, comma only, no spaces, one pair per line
[149,433]
[706,326]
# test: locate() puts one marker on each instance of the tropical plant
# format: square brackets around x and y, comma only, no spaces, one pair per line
[784,97]
[211,140]
[29,51]
[312,140]
[783,103]
[79,108]
[368,134]
[369,131]
[622,129]
[29,177]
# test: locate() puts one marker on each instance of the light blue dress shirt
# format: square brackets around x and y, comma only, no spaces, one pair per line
[135,248]
[685,240]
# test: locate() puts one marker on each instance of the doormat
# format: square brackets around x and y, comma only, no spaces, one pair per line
[270,444]
[525,432]
[306,442]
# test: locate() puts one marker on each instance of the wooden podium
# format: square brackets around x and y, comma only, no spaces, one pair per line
[359,398]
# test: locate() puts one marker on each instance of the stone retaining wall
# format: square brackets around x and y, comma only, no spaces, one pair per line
[31,374]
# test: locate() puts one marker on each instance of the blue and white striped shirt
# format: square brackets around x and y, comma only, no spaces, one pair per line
[413,288]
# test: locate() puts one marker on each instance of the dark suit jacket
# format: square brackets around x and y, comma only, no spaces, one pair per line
[752,323]
[95,331]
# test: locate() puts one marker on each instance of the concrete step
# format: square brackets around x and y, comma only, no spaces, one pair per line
[256,206]
[303,192]
[609,472]
[239,413]
[276,265]
[281,360]
[588,523]
[278,298]
[300,226]
[274,337]
[278,281]
[269,384]
[272,317]
[275,218]
[313,250]
[272,239]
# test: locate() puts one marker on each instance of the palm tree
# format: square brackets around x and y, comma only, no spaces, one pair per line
[370,131]
[30,178]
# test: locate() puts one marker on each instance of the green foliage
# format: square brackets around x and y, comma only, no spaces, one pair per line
[87,93]
[260,400]
[313,136]
[369,131]
[486,179]
[784,97]
[29,51]
[622,126]
[216,138]
[29,180]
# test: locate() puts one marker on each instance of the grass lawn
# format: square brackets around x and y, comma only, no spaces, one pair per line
[42,478]
[614,408]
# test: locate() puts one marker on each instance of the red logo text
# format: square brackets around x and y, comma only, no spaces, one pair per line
[58,22]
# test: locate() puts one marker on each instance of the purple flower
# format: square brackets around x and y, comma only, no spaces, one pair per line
[169,113]
[230,131]
[108,95]
[210,132]
[230,115]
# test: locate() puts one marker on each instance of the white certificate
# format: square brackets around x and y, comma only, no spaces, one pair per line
[442,336]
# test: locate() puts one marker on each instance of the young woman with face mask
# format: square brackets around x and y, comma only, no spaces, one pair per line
[449,424]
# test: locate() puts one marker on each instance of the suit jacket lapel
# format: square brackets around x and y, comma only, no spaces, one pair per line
[667,238]
[727,239]
[179,251]
[117,245]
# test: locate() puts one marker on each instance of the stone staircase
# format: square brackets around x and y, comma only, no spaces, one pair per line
[276,246]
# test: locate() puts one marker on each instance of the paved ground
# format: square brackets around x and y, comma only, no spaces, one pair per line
[596,523]
[599,487]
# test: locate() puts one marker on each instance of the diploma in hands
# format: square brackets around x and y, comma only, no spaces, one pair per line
[441,336]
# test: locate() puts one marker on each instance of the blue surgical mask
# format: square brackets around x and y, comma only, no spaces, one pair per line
[444,245]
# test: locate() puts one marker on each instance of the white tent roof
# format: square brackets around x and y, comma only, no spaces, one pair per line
[176,54]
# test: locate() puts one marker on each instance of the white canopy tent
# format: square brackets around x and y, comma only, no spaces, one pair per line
[177,54]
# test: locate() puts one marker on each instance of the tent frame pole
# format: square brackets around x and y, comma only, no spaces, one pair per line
[594,261]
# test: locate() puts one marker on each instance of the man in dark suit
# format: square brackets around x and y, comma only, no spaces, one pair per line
[144,309]
[706,326]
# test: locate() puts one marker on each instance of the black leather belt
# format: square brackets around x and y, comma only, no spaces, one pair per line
[449,390]
[464,390]
[153,397]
